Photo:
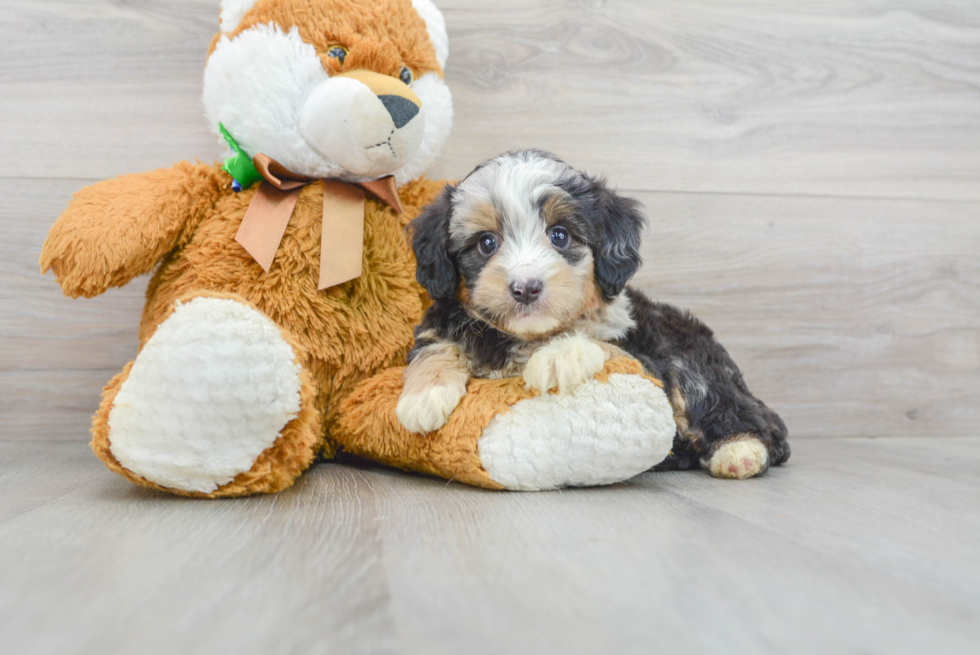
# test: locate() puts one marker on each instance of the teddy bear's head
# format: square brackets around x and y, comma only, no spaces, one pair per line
[348,89]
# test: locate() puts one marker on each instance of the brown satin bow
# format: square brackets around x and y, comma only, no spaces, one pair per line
[342,238]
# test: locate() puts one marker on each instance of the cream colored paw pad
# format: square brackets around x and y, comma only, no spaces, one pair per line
[739,459]
[598,434]
[211,390]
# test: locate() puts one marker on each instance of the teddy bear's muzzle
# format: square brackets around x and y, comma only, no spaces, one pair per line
[368,123]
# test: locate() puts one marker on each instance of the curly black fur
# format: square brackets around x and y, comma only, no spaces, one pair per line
[697,371]
[435,270]
[710,398]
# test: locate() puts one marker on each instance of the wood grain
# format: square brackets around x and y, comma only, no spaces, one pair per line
[855,546]
[829,98]
[811,171]
[94,89]
[849,317]
[815,98]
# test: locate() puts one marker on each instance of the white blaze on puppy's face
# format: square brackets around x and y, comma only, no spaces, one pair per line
[516,199]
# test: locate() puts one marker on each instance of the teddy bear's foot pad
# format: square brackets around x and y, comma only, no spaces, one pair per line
[597,434]
[210,391]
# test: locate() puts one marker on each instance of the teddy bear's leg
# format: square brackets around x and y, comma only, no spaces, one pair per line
[504,436]
[217,403]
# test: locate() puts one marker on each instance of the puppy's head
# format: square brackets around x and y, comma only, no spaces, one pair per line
[528,243]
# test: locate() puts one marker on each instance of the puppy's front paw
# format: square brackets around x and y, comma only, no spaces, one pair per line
[565,363]
[428,409]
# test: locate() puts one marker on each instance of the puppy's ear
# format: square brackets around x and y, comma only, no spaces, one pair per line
[435,269]
[617,255]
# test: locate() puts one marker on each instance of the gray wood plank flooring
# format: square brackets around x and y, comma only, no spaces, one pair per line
[856,546]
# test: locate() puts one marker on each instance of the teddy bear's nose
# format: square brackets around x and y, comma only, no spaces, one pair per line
[401,109]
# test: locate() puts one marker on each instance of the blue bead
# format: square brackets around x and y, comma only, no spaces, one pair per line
[236,186]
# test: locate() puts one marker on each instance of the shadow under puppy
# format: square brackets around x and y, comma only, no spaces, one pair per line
[526,260]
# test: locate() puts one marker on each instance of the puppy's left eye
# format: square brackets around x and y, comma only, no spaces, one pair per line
[406,76]
[487,244]
[559,237]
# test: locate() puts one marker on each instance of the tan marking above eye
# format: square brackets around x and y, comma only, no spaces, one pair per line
[556,209]
[481,218]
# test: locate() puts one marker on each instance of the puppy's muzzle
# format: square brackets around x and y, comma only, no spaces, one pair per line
[526,291]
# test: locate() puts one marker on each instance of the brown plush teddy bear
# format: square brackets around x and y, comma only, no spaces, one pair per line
[284,280]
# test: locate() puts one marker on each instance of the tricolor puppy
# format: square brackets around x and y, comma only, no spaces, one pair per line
[527,261]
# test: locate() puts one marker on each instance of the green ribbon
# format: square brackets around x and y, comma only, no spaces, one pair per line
[239,165]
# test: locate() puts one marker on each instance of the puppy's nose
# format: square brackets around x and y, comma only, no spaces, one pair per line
[526,291]
[400,109]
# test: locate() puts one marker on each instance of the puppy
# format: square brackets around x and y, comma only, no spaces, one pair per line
[527,260]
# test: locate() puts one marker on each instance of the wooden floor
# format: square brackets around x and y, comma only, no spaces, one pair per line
[856,546]
[812,174]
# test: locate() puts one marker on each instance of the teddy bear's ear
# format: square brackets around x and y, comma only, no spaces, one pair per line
[435,24]
[232,12]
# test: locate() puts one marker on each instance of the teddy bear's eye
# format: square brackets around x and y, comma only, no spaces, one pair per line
[338,52]
[406,76]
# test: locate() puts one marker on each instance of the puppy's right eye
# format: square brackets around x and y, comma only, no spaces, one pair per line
[487,244]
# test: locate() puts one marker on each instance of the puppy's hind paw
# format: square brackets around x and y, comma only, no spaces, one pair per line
[428,409]
[742,457]
[566,363]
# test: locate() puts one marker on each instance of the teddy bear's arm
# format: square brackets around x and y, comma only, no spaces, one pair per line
[117,229]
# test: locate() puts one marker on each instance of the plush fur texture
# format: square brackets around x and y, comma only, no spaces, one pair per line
[528,260]
[213,388]
[435,24]
[535,447]
[275,469]
[522,456]
[341,335]
[274,81]
[232,12]
[180,223]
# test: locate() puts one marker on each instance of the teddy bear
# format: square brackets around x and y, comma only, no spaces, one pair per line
[283,296]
